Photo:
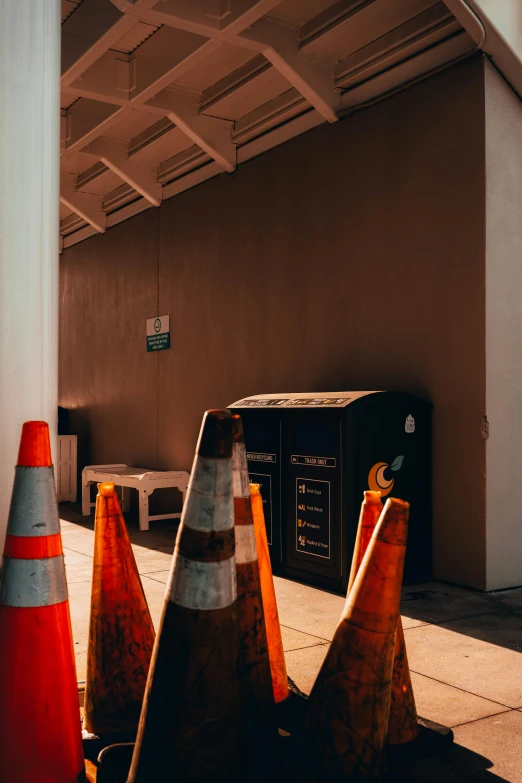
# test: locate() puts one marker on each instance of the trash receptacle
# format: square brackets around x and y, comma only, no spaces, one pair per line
[315,454]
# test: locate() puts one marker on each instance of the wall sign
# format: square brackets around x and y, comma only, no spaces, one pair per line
[158,333]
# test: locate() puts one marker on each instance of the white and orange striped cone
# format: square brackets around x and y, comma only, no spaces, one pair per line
[40,732]
[254,662]
[191,718]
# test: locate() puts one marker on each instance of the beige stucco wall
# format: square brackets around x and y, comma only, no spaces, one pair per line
[503,331]
[349,258]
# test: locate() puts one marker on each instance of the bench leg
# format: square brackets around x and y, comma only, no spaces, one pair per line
[144,510]
[125,498]
[86,499]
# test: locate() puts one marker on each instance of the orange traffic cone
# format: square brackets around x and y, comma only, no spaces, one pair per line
[191,719]
[121,634]
[371,509]
[273,629]
[350,702]
[254,663]
[40,732]
[403,725]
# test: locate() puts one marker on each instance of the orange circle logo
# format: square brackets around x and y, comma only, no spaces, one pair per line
[376,480]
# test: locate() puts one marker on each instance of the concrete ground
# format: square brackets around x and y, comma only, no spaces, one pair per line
[464,648]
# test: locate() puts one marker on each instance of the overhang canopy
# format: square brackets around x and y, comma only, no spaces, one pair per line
[160,95]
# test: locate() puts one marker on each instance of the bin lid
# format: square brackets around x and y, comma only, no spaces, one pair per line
[302,400]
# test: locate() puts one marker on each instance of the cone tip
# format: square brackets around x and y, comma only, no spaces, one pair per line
[372,497]
[215,437]
[255,489]
[106,489]
[393,524]
[35,446]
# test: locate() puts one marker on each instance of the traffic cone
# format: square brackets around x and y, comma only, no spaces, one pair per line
[254,663]
[371,509]
[191,717]
[121,634]
[40,732]
[403,726]
[273,629]
[350,702]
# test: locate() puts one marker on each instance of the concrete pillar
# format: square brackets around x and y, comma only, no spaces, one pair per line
[29,203]
[503,299]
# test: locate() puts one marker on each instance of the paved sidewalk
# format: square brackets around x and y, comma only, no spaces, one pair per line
[464,647]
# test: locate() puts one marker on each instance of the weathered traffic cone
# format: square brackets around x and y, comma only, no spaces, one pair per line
[403,726]
[371,509]
[40,731]
[121,634]
[191,719]
[349,704]
[273,628]
[254,662]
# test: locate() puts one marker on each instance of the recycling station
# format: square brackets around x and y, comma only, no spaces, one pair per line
[315,454]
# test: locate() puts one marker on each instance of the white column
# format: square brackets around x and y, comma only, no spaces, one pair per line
[29,201]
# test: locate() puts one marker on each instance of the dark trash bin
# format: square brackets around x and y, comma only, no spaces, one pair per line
[315,454]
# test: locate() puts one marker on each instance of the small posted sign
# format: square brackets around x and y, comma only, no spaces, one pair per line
[158,333]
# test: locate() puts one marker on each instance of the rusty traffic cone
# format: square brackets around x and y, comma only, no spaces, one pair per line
[121,634]
[40,732]
[190,723]
[403,725]
[350,702]
[254,662]
[371,509]
[273,628]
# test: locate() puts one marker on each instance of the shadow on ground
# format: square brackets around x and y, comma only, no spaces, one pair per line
[162,533]
[456,765]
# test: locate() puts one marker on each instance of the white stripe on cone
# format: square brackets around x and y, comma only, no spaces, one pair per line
[196,585]
[32,583]
[240,480]
[246,551]
[209,503]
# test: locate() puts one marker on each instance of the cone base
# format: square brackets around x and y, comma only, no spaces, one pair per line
[191,722]
[40,735]
[433,738]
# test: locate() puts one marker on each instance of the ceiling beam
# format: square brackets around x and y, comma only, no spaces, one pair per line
[137,174]
[109,79]
[315,82]
[279,44]
[185,15]
[87,206]
[211,134]
[152,72]
[335,17]
[93,28]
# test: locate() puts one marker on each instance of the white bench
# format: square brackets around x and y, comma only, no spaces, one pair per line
[144,480]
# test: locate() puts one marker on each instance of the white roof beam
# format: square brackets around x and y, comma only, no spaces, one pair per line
[87,206]
[154,70]
[234,16]
[87,34]
[315,82]
[86,120]
[280,45]
[211,134]
[137,174]
[109,79]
